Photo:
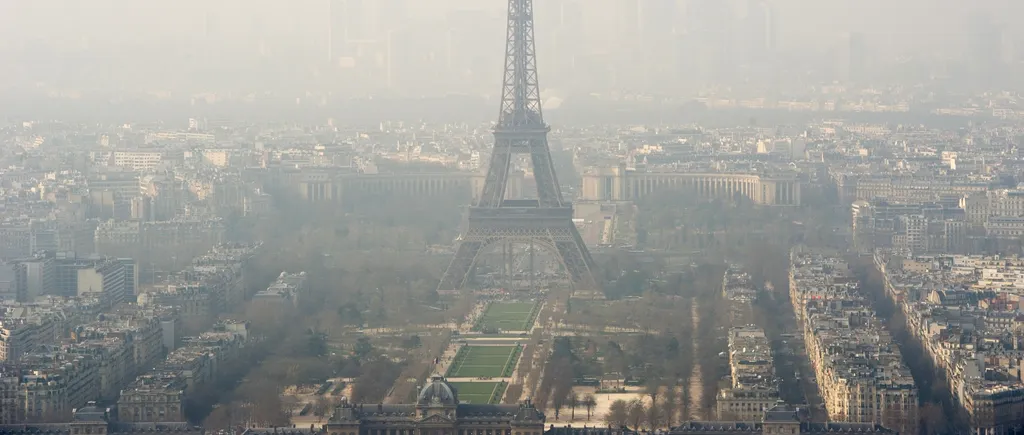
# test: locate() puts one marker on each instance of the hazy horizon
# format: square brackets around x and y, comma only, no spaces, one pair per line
[412,48]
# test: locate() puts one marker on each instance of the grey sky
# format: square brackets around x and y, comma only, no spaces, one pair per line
[402,44]
[118,20]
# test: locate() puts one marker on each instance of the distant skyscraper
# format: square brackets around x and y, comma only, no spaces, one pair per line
[360,20]
[629,18]
[460,61]
[562,23]
[658,18]
[852,62]
[708,46]
[1009,47]
[335,28]
[657,41]
[760,27]
[985,41]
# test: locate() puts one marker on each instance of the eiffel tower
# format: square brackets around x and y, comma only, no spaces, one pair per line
[545,222]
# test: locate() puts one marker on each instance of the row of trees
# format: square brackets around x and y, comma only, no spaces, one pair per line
[644,415]
[364,257]
[680,220]
[297,347]
[713,323]
[664,357]
[572,401]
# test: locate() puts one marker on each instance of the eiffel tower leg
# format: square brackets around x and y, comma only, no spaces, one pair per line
[544,175]
[576,266]
[457,274]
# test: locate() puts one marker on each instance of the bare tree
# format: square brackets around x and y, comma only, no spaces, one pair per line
[637,413]
[574,402]
[514,391]
[653,417]
[933,420]
[557,403]
[321,408]
[589,402]
[669,404]
[653,389]
[618,414]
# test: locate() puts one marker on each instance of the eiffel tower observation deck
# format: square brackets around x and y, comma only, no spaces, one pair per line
[544,222]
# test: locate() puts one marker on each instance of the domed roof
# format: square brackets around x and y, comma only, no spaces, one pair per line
[438,393]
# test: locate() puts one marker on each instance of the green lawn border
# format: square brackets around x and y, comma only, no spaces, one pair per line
[497,391]
[531,318]
[513,359]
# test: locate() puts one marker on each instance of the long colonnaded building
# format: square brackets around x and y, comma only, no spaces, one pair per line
[622,184]
[342,185]
[779,420]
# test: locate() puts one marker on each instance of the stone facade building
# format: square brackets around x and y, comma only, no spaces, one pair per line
[437,411]
[779,420]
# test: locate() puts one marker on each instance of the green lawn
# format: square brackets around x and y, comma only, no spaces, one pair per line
[484,361]
[479,392]
[508,316]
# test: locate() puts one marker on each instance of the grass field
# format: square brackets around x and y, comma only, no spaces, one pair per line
[484,361]
[508,316]
[479,392]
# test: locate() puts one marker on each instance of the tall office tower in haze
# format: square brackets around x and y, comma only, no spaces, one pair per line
[360,19]
[585,42]
[707,47]
[627,54]
[561,22]
[759,30]
[335,29]
[465,66]
[984,50]
[657,29]
[851,65]
[363,41]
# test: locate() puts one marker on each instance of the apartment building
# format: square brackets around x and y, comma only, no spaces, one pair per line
[8,398]
[105,278]
[33,277]
[159,395]
[157,398]
[754,388]
[138,160]
[143,330]
[914,228]
[905,188]
[859,368]
[24,329]
[281,297]
[964,310]
[55,384]
[115,360]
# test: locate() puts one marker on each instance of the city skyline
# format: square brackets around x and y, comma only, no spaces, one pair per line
[684,218]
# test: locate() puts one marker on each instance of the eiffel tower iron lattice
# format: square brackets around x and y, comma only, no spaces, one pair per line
[545,222]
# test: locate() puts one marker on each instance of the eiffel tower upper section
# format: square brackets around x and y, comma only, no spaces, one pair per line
[521,128]
[520,93]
